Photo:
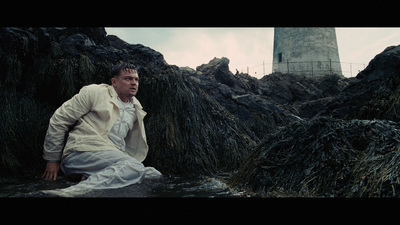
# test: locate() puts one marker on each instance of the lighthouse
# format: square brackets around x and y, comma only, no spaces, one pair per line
[309,51]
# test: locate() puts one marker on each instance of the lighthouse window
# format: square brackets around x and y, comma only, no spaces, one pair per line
[280,57]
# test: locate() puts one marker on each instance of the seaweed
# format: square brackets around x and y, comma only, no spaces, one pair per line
[188,132]
[326,157]
[385,103]
[23,123]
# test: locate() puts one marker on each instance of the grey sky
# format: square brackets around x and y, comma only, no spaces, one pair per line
[251,47]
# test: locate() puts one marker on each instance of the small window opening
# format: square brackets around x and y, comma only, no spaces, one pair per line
[280,57]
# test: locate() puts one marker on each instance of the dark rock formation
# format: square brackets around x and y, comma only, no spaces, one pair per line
[241,96]
[382,66]
[189,133]
[371,94]
[326,157]
[295,90]
[187,130]
[374,93]
[305,94]
[334,157]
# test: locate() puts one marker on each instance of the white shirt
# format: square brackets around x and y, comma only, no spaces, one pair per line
[124,123]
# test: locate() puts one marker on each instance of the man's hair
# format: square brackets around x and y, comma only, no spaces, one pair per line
[123,66]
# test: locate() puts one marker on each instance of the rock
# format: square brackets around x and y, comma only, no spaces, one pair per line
[300,158]
[218,69]
[325,157]
[188,131]
[75,44]
[240,95]
[383,65]
[148,60]
[301,91]
[189,128]
[374,93]
[97,35]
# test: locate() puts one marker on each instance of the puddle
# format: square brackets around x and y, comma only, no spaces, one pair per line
[166,187]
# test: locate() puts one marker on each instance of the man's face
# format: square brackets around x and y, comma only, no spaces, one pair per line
[126,84]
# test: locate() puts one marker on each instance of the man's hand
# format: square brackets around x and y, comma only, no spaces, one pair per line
[51,171]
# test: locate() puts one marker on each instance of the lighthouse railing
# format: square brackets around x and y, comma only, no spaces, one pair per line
[308,68]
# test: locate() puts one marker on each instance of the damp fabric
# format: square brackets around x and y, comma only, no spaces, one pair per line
[104,170]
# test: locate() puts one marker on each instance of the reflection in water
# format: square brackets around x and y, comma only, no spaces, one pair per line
[201,186]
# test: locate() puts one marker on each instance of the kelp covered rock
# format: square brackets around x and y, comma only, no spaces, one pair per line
[295,89]
[308,96]
[187,130]
[241,95]
[373,93]
[326,157]
[335,157]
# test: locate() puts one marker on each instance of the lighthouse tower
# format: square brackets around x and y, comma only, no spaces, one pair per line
[306,51]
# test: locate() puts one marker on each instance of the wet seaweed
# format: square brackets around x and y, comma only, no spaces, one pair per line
[188,128]
[385,104]
[21,132]
[326,157]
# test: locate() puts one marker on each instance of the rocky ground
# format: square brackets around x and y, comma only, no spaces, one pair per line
[283,134]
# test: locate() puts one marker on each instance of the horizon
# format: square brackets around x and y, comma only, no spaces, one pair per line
[251,49]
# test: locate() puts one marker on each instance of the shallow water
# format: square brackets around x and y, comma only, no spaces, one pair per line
[177,187]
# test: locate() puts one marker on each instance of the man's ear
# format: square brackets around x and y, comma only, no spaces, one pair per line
[113,80]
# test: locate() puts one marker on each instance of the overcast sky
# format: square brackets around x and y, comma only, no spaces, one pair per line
[251,47]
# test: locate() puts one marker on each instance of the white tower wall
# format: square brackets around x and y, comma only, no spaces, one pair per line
[306,51]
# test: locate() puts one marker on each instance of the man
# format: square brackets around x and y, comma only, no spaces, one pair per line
[108,142]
